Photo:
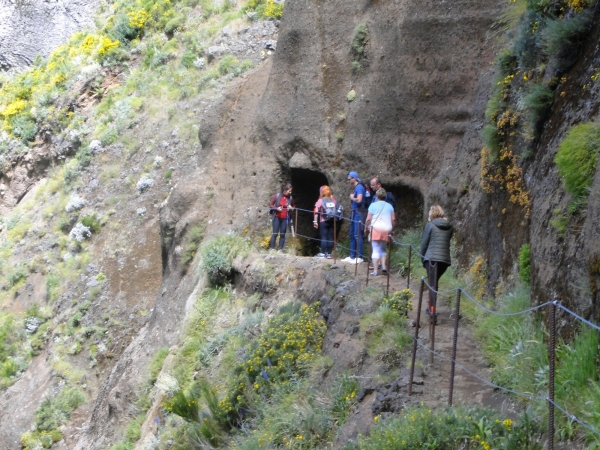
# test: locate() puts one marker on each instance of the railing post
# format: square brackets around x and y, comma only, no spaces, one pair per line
[551,358]
[296,226]
[409,259]
[432,310]
[389,258]
[369,264]
[414,349]
[455,340]
[334,241]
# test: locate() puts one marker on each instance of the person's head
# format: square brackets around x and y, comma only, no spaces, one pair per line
[326,191]
[436,212]
[353,178]
[286,189]
[380,194]
[375,184]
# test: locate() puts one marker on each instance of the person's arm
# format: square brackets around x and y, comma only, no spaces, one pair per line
[368,222]
[291,203]
[359,196]
[425,241]
[316,214]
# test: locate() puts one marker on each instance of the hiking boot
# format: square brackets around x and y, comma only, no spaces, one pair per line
[320,255]
[328,256]
[358,260]
[373,274]
[348,260]
[384,271]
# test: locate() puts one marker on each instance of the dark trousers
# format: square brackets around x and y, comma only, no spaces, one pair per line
[279,227]
[326,232]
[357,229]
[435,270]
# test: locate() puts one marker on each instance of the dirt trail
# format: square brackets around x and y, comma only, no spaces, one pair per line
[468,390]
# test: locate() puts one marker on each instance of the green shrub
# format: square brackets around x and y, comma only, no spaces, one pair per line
[218,254]
[193,240]
[563,38]
[176,23]
[462,427]
[16,274]
[537,104]
[525,263]
[345,391]
[360,39]
[492,139]
[528,41]
[25,128]
[54,412]
[121,29]
[577,157]
[188,58]
[92,223]
[506,63]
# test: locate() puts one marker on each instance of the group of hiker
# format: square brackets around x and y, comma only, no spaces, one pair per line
[372,216]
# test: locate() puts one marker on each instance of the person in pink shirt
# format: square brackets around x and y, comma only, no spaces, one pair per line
[325,204]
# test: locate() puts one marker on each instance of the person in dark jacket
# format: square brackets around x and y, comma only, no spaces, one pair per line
[435,248]
[281,205]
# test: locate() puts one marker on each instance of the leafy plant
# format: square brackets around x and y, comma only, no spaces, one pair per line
[92,223]
[193,240]
[219,253]
[358,46]
[525,263]
[563,37]
[399,302]
[577,157]
[462,427]
[537,104]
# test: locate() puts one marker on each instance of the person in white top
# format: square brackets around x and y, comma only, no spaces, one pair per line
[381,220]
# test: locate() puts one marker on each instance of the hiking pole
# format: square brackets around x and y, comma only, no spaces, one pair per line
[414,349]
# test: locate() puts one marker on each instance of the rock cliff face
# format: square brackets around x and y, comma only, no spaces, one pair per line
[420,88]
[31,28]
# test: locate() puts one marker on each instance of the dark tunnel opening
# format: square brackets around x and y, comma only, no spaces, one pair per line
[409,206]
[306,185]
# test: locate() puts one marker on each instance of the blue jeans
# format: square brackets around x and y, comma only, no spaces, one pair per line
[326,232]
[279,227]
[357,229]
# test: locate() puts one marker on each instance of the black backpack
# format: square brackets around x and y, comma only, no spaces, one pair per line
[277,202]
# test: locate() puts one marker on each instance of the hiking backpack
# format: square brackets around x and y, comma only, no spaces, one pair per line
[331,209]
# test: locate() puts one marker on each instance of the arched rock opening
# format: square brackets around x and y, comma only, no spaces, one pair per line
[409,205]
[306,183]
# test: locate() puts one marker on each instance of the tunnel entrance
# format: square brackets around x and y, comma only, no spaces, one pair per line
[306,183]
[409,206]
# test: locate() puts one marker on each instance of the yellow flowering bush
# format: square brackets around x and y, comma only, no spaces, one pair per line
[399,302]
[138,18]
[290,341]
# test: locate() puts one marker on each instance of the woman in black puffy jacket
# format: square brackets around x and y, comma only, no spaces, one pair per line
[435,248]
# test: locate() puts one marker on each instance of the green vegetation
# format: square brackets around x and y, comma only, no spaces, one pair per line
[192,242]
[50,416]
[358,47]
[525,263]
[451,428]
[577,157]
[219,253]
[546,38]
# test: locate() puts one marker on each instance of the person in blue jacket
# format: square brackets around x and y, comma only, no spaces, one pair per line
[358,216]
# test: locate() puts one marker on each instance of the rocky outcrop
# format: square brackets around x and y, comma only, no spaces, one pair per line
[29,28]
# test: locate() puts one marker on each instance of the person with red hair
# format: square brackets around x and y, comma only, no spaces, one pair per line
[325,225]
